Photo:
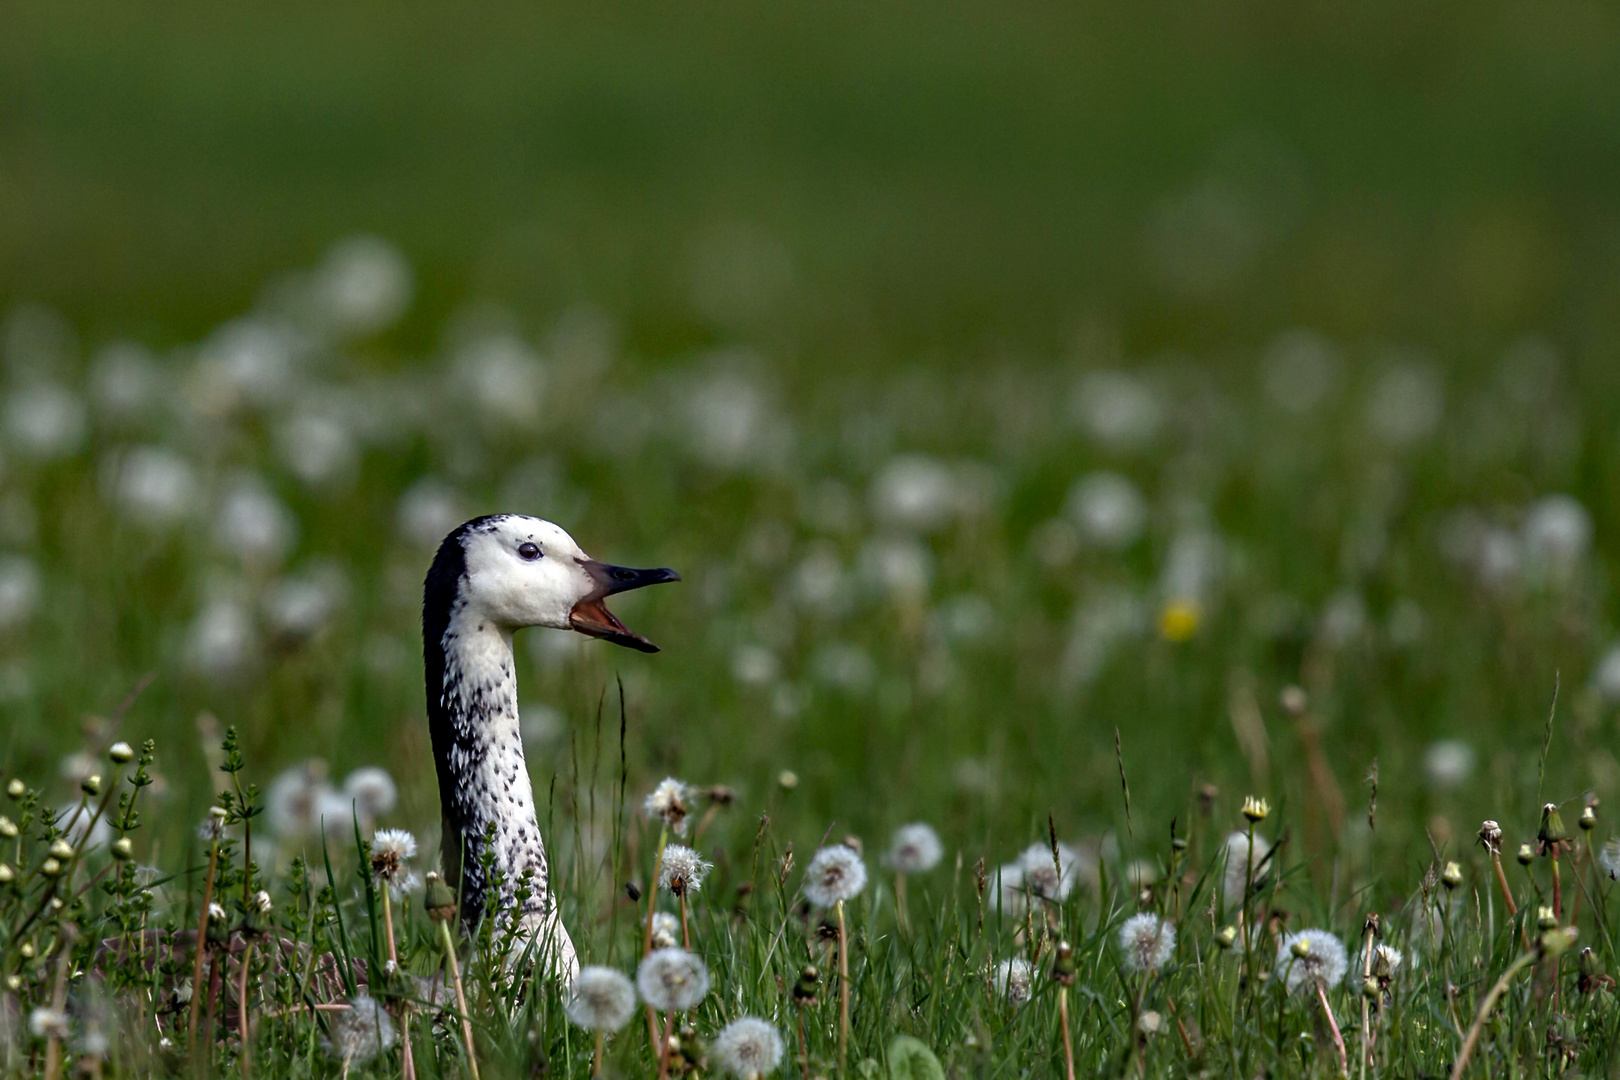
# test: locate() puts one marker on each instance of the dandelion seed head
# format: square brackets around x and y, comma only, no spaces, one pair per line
[915,849]
[216,912]
[360,1032]
[1147,942]
[48,1023]
[683,870]
[1323,964]
[294,796]
[1014,980]
[672,980]
[670,802]
[1609,858]
[372,790]
[836,873]
[749,1048]
[390,850]
[1045,877]
[1238,862]
[601,999]
[666,929]
[1386,961]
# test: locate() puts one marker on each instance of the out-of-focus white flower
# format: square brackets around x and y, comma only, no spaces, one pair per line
[371,790]
[318,446]
[754,665]
[19,590]
[835,873]
[249,362]
[1300,370]
[153,486]
[125,382]
[361,1032]
[221,641]
[1147,942]
[1014,980]
[682,870]
[44,420]
[601,999]
[1448,763]
[363,286]
[1117,410]
[253,525]
[294,797]
[391,849]
[1108,508]
[503,378]
[1042,875]
[672,980]
[1100,622]
[1343,620]
[666,930]
[670,803]
[913,491]
[1386,961]
[1323,964]
[898,565]
[915,849]
[1405,404]
[749,1048]
[1193,566]
[428,511]
[48,1023]
[1557,534]
[730,421]
[539,722]
[75,821]
[1609,858]
[295,608]
[1238,863]
[1606,676]
[819,582]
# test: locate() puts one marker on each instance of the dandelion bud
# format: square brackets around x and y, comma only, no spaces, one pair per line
[787,779]
[804,991]
[13,983]
[1527,854]
[1490,835]
[8,828]
[50,868]
[1370,987]
[1301,948]
[1588,819]
[1557,941]
[16,788]
[1552,826]
[1545,919]
[121,753]
[7,874]
[27,951]
[91,785]
[1588,962]
[1178,843]
[1293,700]
[438,898]
[1063,968]
[61,849]
[1256,809]
[1227,937]
[123,849]
[1149,1023]
[1451,876]
[261,902]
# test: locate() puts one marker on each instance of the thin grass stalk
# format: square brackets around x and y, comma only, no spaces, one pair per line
[244,1027]
[202,943]
[843,989]
[1333,1026]
[461,994]
[1472,1038]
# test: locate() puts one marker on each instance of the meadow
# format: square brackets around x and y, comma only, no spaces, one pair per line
[1186,485]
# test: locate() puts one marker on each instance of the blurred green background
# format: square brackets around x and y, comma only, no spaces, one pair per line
[743,261]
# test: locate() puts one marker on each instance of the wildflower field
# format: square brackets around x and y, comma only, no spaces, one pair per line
[1144,485]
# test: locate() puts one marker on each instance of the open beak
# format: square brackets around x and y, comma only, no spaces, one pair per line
[591,616]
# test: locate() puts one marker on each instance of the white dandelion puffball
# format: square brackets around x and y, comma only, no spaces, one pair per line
[1117,410]
[683,870]
[1011,896]
[1108,508]
[914,491]
[372,789]
[915,849]
[1609,858]
[835,873]
[1237,865]
[360,1032]
[1557,533]
[670,803]
[1301,369]
[1014,980]
[1405,404]
[253,525]
[672,980]
[1323,964]
[48,1023]
[221,642]
[503,378]
[1386,961]
[19,590]
[45,420]
[1606,677]
[1147,942]
[427,512]
[749,1047]
[1042,875]
[390,850]
[155,487]
[293,797]
[666,930]
[1448,763]
[364,285]
[601,999]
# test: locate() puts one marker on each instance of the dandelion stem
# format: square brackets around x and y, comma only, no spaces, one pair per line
[1068,1040]
[596,1056]
[843,989]
[202,943]
[663,1045]
[243,1020]
[1333,1026]
[1501,881]
[53,1046]
[461,995]
[686,933]
[804,1048]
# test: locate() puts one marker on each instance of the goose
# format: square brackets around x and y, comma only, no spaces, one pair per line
[493,576]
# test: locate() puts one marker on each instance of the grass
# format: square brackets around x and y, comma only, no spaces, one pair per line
[819,300]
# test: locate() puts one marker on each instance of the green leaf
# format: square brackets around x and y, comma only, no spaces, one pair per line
[910,1059]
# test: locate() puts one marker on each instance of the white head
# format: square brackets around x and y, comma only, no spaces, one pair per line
[521,571]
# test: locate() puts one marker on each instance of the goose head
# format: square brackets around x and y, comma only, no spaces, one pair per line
[523,571]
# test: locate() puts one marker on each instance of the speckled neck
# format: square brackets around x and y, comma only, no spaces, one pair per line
[484,791]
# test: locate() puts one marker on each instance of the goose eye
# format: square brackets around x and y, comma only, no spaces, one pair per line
[530,551]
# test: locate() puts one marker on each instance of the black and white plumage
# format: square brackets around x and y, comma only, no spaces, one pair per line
[492,576]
